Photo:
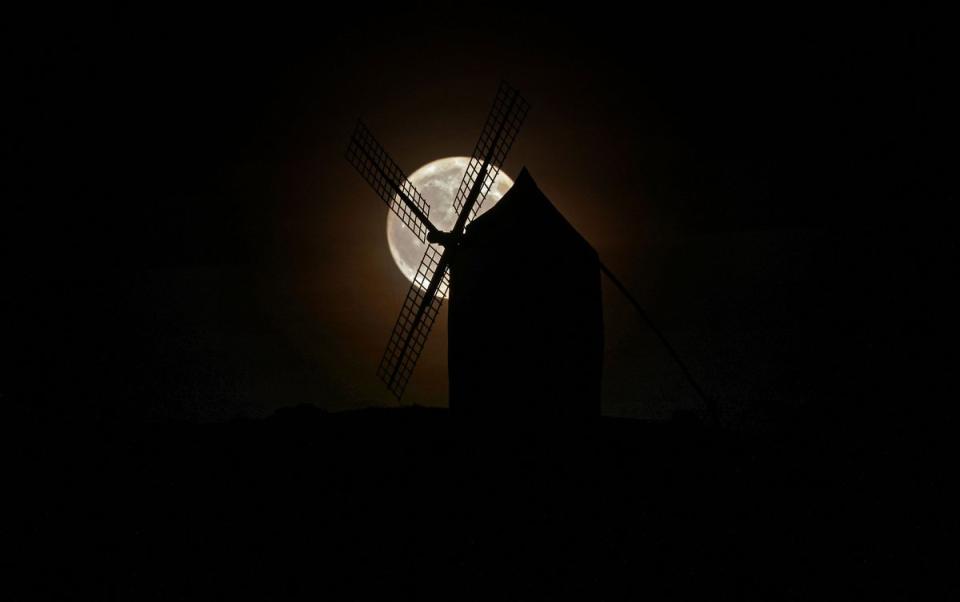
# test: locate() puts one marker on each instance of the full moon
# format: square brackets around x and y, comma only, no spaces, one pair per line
[438,182]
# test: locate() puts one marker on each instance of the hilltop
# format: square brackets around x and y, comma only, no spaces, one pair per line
[413,503]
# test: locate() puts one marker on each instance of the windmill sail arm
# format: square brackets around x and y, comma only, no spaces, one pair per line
[425,296]
[417,315]
[472,204]
[389,182]
[498,134]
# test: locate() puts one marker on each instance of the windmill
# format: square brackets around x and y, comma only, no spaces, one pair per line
[422,305]
[432,279]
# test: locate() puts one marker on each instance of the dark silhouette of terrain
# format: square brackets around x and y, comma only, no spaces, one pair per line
[182,244]
[414,503]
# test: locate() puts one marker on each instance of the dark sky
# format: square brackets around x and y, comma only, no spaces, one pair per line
[184,239]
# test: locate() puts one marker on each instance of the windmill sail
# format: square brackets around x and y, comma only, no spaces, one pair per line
[503,124]
[389,181]
[426,294]
[417,315]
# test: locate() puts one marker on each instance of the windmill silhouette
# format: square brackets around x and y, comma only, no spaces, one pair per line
[422,304]
[571,384]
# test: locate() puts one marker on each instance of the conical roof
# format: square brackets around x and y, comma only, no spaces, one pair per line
[525,206]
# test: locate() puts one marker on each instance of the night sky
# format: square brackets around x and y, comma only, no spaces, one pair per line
[183,238]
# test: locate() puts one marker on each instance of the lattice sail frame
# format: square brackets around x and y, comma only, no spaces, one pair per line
[425,295]
[410,332]
[431,283]
[501,129]
[388,180]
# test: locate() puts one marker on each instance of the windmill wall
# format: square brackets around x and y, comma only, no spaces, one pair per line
[525,313]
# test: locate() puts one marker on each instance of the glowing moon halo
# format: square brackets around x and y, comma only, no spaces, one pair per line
[437,181]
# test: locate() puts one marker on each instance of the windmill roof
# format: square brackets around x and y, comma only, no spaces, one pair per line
[524,206]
